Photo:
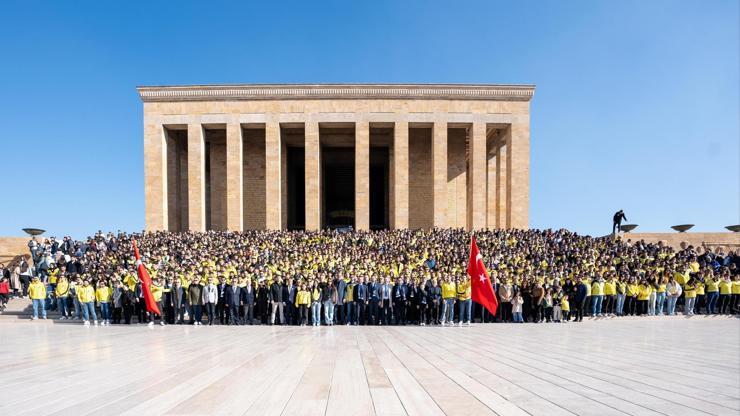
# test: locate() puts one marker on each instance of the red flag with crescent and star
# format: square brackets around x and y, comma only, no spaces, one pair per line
[481,289]
[146,283]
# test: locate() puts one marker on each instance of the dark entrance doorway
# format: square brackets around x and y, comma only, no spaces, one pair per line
[338,174]
[378,188]
[296,188]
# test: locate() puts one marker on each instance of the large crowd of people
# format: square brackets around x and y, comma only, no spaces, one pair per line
[395,277]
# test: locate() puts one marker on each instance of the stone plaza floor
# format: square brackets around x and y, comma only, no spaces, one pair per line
[649,366]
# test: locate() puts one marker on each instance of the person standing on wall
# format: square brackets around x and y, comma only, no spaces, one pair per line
[617,221]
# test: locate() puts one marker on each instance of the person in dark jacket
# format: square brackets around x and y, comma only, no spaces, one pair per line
[400,301]
[221,310]
[276,295]
[248,298]
[617,221]
[386,294]
[233,300]
[289,292]
[361,299]
[128,300]
[195,295]
[434,301]
[341,286]
[178,299]
[373,288]
[264,300]
[580,291]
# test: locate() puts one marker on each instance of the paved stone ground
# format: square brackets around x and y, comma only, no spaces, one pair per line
[648,366]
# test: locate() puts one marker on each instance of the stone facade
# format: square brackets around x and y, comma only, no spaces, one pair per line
[216,157]
[716,240]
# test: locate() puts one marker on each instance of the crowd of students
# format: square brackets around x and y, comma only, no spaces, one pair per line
[395,277]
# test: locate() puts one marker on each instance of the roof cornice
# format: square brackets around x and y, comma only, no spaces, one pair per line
[336,91]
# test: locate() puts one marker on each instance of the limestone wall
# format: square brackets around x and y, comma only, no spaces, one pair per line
[10,247]
[727,240]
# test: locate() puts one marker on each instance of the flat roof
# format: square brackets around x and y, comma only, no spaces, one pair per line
[236,92]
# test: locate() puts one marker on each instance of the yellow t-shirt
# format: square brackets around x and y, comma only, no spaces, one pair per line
[463,290]
[725,287]
[736,287]
[597,288]
[711,286]
[37,290]
[86,294]
[303,297]
[564,304]
[102,294]
[699,289]
[632,290]
[643,292]
[448,290]
[62,289]
[610,288]
[689,291]
[157,292]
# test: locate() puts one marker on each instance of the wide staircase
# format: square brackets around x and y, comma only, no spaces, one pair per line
[20,310]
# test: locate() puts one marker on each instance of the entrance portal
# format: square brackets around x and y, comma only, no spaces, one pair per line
[339,187]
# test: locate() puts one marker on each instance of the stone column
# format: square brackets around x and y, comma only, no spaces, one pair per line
[313,176]
[196,178]
[362,175]
[234,175]
[518,179]
[273,183]
[401,175]
[155,177]
[477,167]
[439,173]
[491,208]
[502,184]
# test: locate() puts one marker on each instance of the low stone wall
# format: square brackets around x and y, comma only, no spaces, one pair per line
[726,240]
[11,247]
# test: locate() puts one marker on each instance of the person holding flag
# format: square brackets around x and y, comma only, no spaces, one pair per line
[146,283]
[480,283]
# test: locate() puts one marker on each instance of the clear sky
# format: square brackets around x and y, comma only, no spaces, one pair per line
[636,105]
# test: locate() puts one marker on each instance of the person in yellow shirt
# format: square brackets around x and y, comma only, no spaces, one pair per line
[643,294]
[61,293]
[597,296]
[86,296]
[37,293]
[302,300]
[349,302]
[689,293]
[565,307]
[711,286]
[630,304]
[103,296]
[660,295]
[464,300]
[725,294]
[448,299]
[157,289]
[735,301]
[700,293]
[610,296]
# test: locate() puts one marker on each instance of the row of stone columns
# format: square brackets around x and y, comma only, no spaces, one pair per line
[491,195]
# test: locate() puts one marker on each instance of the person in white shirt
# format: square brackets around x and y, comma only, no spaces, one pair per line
[673,291]
[210,299]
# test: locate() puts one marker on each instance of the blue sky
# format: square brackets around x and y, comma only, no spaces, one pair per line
[636,106]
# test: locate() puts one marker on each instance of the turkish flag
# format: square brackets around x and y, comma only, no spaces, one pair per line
[146,284]
[480,284]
